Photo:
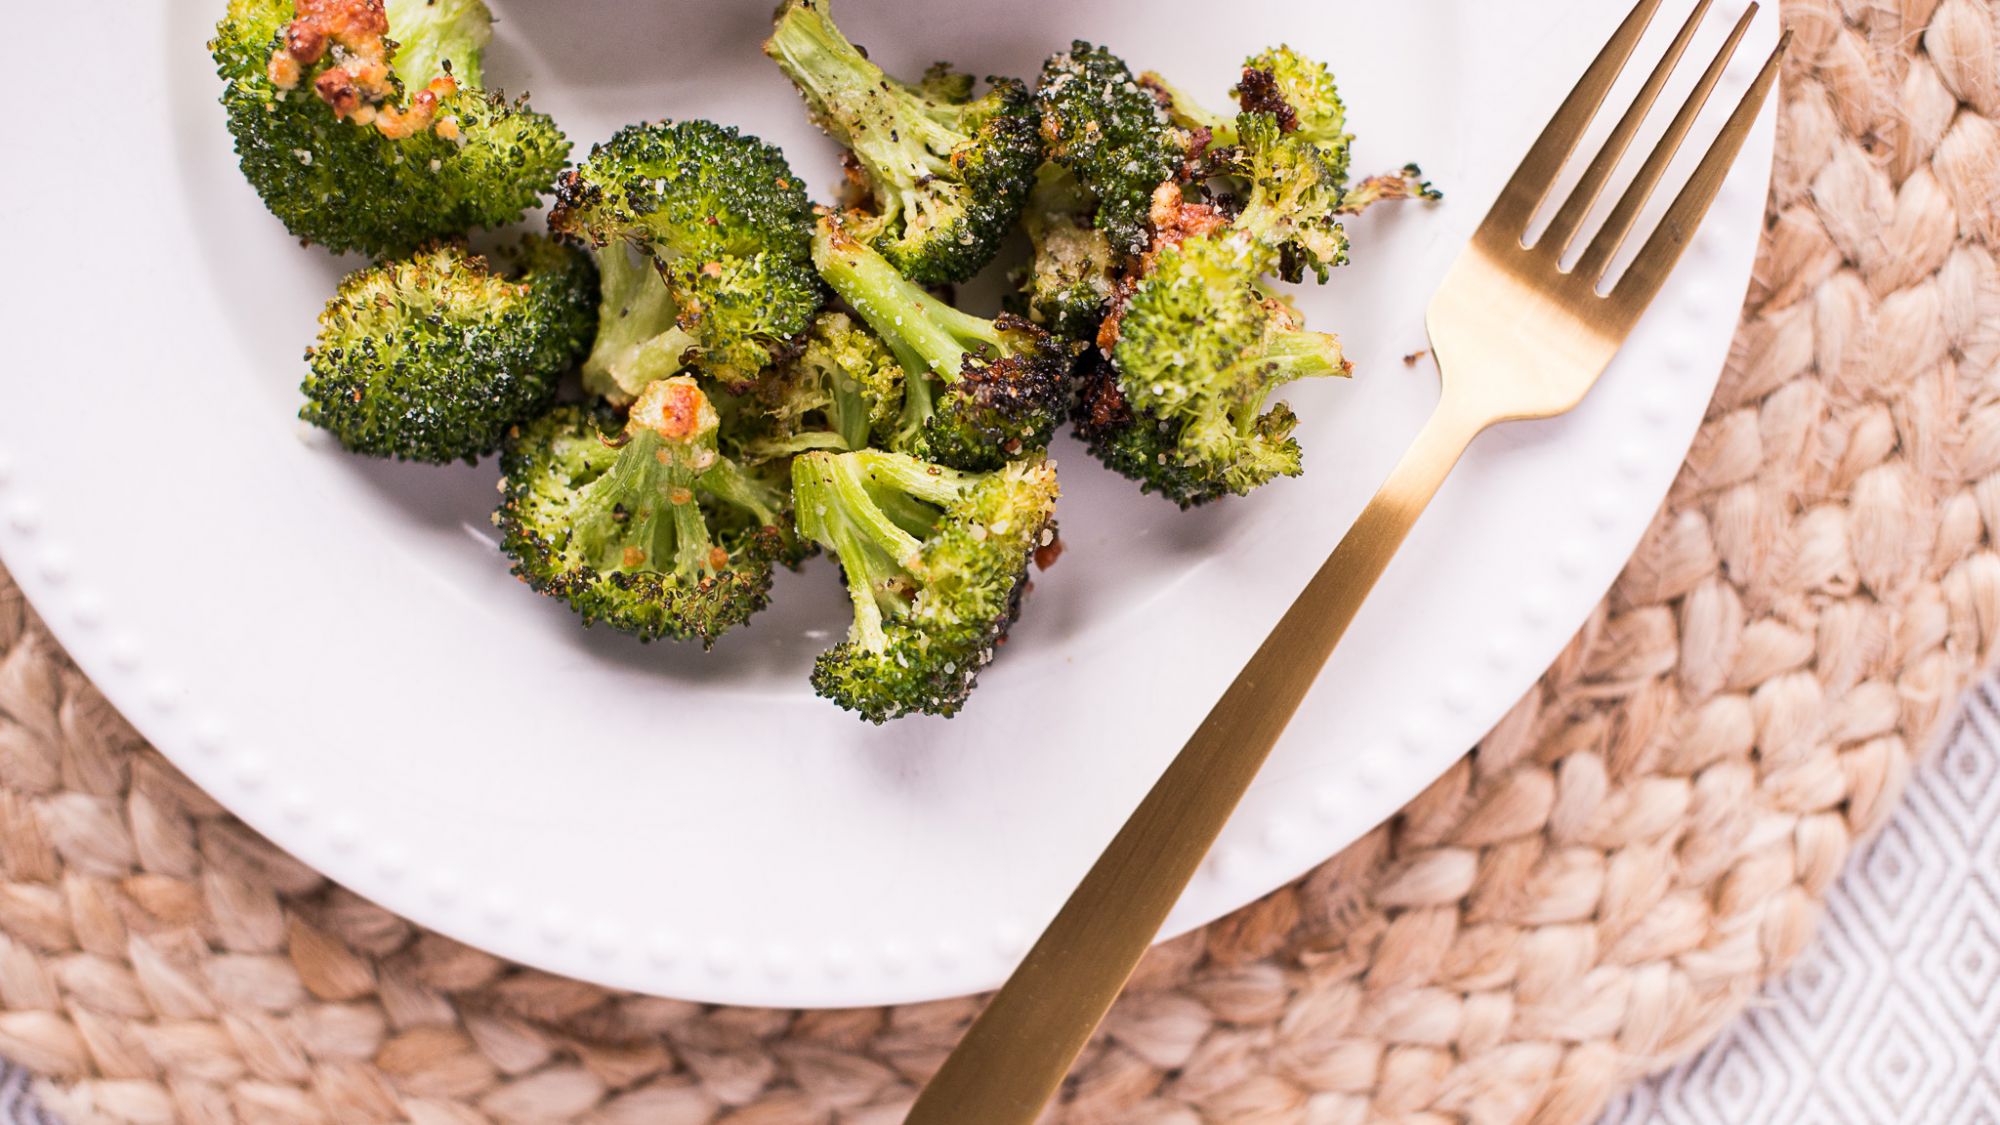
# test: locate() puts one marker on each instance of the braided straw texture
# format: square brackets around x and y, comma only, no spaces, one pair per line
[1586,898]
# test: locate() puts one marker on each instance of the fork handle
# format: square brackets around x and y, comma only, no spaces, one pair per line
[1015,1055]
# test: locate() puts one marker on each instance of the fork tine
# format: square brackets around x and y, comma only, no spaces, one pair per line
[1577,207]
[1605,246]
[1656,260]
[1538,171]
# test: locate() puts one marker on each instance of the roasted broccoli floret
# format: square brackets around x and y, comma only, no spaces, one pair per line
[844,391]
[1292,199]
[1202,346]
[1075,269]
[650,530]
[1158,167]
[726,226]
[945,175]
[1112,135]
[1283,161]
[978,393]
[1194,345]
[1300,93]
[1281,183]
[364,126]
[431,358]
[1292,194]
[936,563]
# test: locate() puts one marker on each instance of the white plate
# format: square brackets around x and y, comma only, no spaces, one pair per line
[333,647]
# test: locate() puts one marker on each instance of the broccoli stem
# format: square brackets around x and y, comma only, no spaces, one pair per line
[927,335]
[850,415]
[1289,355]
[617,524]
[906,512]
[726,481]
[801,443]
[631,368]
[669,458]
[1298,354]
[873,509]
[903,475]
[692,546]
[919,403]
[435,36]
[836,510]
[638,338]
[889,129]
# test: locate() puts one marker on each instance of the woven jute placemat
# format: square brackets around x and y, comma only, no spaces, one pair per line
[1588,897]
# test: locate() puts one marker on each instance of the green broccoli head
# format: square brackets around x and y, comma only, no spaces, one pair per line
[936,562]
[978,393]
[432,357]
[1294,198]
[1280,166]
[1294,193]
[364,127]
[946,174]
[650,530]
[1301,95]
[844,391]
[727,228]
[1201,347]
[1148,449]
[1075,270]
[1112,135]
[692,191]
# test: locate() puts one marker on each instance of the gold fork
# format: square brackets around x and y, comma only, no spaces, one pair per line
[1517,336]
